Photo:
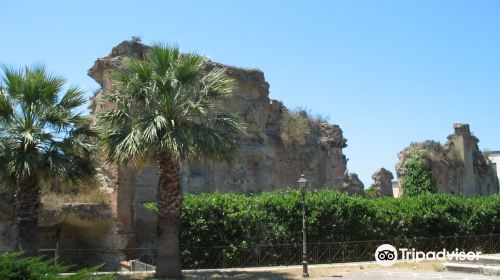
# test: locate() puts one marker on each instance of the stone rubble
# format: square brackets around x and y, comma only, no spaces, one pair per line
[352,185]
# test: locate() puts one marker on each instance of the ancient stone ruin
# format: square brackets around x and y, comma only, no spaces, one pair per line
[68,227]
[265,161]
[269,159]
[458,166]
[352,184]
[383,179]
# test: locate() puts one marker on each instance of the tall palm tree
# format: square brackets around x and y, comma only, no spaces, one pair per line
[43,137]
[165,112]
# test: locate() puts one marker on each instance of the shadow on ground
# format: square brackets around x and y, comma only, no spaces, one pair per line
[241,275]
[253,275]
[320,272]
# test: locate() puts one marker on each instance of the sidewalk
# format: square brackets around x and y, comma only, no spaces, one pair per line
[373,274]
[322,271]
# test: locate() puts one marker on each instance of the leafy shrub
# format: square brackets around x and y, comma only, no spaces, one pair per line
[417,177]
[13,267]
[237,220]
[275,217]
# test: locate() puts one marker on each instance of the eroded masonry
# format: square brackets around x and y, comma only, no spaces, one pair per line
[265,161]
[458,166]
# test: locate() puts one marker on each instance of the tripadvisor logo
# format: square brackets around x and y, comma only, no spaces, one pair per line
[387,255]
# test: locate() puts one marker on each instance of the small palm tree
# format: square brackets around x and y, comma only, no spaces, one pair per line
[165,112]
[42,139]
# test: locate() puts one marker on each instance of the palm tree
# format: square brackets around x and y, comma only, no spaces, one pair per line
[165,112]
[43,138]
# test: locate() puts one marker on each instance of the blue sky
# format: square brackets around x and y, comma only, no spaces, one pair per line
[388,72]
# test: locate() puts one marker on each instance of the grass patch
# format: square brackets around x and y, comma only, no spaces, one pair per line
[54,200]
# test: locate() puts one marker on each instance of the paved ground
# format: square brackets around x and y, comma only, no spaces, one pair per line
[349,271]
[408,274]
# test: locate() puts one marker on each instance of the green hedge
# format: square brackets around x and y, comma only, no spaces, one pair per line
[275,218]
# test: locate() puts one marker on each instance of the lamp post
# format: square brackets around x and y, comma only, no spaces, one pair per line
[303,185]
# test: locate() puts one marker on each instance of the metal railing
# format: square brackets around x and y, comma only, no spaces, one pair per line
[110,260]
[270,255]
[331,252]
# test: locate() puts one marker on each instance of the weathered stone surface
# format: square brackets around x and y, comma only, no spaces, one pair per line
[80,226]
[71,226]
[352,184]
[76,225]
[263,163]
[383,178]
[458,166]
[77,214]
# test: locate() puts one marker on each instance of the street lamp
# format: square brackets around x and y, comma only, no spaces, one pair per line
[303,185]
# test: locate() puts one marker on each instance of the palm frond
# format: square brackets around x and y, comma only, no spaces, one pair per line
[13,81]
[40,126]
[190,67]
[72,99]
[216,83]
[63,164]
[217,137]
[6,109]
[166,102]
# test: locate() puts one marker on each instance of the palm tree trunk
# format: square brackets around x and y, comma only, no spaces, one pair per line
[27,208]
[169,200]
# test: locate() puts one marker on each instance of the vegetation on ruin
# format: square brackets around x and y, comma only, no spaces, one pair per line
[54,200]
[430,145]
[431,148]
[373,191]
[294,127]
[236,220]
[43,138]
[12,267]
[165,113]
[296,124]
[417,176]
[53,197]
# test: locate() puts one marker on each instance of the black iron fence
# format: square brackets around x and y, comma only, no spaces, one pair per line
[332,252]
[110,260]
[270,255]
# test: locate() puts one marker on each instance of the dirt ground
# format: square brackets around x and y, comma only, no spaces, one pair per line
[292,272]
